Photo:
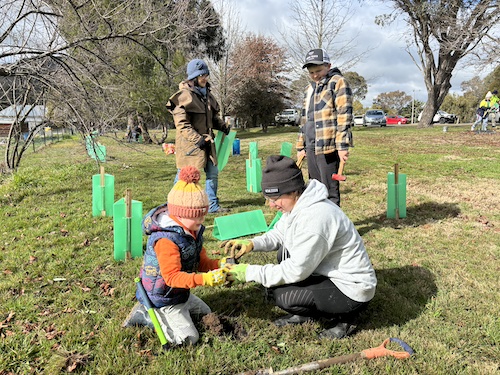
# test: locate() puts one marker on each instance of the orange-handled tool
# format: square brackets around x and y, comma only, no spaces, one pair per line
[379,351]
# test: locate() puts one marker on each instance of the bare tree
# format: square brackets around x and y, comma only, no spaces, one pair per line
[444,32]
[223,74]
[322,24]
[75,57]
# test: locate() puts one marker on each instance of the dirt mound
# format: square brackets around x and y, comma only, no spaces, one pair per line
[221,325]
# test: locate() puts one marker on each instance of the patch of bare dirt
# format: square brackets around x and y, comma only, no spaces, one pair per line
[220,325]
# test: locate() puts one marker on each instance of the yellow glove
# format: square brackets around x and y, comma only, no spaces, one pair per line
[243,247]
[215,277]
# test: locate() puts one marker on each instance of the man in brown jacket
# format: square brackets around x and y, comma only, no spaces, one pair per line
[196,114]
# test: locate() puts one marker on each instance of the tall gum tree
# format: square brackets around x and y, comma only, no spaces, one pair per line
[444,32]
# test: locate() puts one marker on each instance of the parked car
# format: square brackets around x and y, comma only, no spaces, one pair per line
[358,120]
[442,117]
[395,120]
[374,117]
[288,116]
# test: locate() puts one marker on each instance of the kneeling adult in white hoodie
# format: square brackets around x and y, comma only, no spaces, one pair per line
[324,271]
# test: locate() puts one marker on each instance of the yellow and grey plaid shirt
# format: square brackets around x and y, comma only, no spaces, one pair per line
[332,103]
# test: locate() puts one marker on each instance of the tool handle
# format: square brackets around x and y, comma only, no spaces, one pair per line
[300,160]
[341,167]
[382,351]
[151,311]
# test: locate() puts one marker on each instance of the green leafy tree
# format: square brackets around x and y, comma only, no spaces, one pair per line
[392,102]
[358,85]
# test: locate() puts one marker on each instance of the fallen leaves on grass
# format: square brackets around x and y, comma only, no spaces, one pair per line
[106,289]
[51,332]
[69,361]
[484,220]
[6,324]
[75,360]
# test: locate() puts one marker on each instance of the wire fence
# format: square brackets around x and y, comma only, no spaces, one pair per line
[42,138]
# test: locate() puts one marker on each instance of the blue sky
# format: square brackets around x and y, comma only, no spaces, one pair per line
[387,68]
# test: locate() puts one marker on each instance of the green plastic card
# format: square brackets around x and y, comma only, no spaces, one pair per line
[238,225]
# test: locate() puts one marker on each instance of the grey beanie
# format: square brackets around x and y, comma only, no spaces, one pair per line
[196,68]
[281,176]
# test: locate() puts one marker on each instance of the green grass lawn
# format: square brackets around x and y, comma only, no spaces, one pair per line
[63,297]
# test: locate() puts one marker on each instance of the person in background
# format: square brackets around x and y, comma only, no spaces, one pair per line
[495,110]
[482,113]
[175,261]
[323,269]
[325,134]
[196,114]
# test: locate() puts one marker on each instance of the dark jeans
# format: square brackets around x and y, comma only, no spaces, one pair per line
[321,167]
[317,297]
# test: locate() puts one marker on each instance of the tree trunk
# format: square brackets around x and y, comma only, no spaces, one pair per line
[145,133]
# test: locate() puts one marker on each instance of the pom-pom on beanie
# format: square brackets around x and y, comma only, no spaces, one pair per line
[196,68]
[281,176]
[188,198]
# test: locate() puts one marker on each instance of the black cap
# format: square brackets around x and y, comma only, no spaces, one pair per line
[281,176]
[317,56]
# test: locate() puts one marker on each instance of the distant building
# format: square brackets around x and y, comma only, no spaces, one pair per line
[31,116]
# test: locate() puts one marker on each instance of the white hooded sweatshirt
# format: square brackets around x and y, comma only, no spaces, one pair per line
[321,240]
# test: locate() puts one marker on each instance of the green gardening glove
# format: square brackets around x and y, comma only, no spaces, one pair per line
[215,277]
[237,272]
[243,247]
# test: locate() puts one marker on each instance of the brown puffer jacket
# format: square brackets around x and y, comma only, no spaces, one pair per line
[194,119]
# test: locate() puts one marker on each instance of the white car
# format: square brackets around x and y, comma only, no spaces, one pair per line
[442,117]
[358,120]
[288,116]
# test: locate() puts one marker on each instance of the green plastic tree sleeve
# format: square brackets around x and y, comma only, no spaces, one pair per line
[103,197]
[127,232]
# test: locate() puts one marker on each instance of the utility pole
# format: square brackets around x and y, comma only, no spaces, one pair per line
[413,107]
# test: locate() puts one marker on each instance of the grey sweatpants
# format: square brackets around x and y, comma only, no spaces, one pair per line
[177,320]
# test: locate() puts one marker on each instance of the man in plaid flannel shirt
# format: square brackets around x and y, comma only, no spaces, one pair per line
[325,133]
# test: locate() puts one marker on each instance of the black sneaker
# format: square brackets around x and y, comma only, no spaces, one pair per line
[340,331]
[138,317]
[292,319]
